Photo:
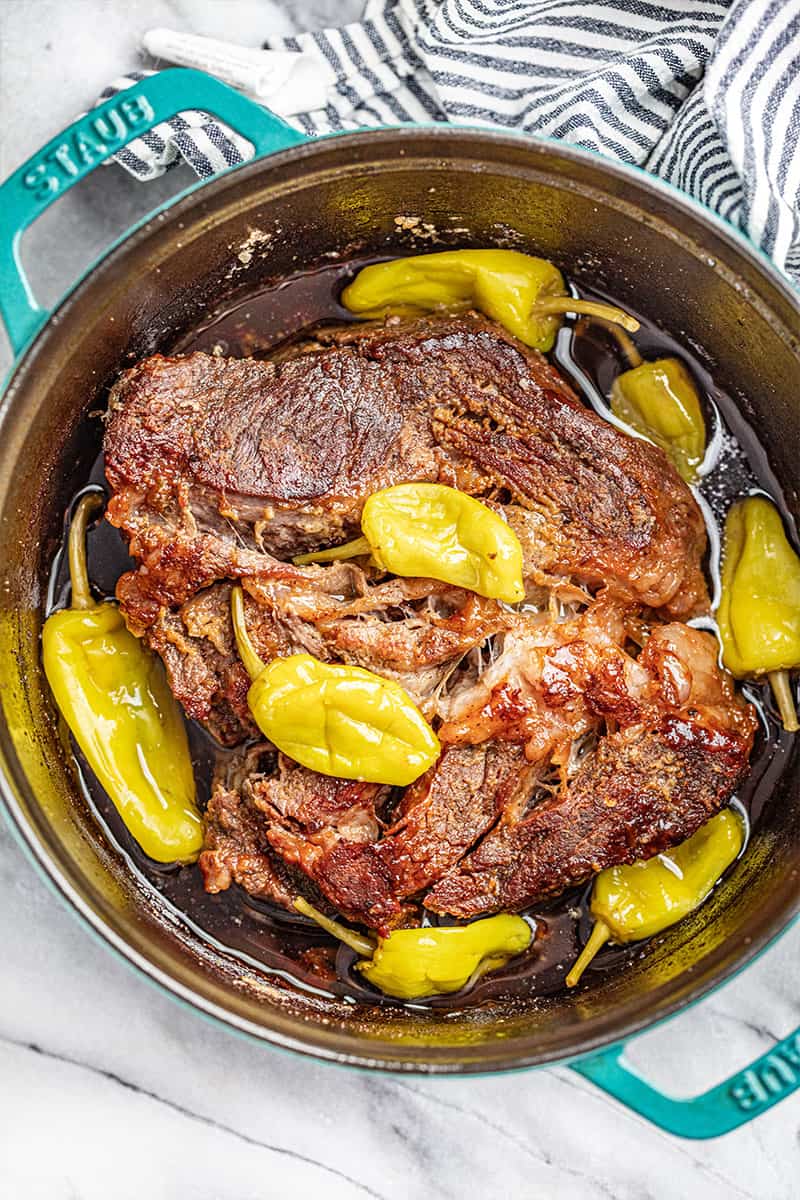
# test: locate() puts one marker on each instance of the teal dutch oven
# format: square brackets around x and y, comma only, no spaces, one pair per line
[297,204]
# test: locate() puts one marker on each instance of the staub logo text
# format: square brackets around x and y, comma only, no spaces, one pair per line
[95,138]
[775,1075]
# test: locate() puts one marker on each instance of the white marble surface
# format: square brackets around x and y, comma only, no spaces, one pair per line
[110,1090]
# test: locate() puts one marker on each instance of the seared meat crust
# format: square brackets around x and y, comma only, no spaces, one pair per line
[449,808]
[349,874]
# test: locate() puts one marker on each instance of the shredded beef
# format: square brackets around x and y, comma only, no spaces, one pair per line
[566,748]
[236,850]
[393,628]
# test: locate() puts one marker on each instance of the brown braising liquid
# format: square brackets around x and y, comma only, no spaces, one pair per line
[276,940]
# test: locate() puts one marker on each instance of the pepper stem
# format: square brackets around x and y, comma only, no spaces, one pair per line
[247,653]
[553,305]
[626,344]
[361,945]
[76,551]
[348,550]
[782,691]
[599,936]
[628,348]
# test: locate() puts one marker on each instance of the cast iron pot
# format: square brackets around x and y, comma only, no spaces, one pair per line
[307,201]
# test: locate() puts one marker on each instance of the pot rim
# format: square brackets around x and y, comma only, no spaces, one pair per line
[492,1059]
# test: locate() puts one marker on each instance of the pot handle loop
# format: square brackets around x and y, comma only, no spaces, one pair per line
[734,1102]
[88,142]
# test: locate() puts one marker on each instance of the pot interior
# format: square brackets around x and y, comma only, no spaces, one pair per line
[377,194]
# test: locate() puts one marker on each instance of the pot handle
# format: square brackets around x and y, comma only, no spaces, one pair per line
[90,140]
[734,1102]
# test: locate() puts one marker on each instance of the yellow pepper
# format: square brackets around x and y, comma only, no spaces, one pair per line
[338,720]
[659,399]
[526,295]
[432,531]
[759,608]
[637,901]
[114,696]
[413,963]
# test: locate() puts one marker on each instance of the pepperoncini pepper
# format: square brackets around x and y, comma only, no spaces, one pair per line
[659,399]
[337,720]
[759,608]
[413,963]
[114,696]
[437,532]
[526,295]
[634,902]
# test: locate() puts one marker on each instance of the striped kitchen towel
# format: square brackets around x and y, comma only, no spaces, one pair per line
[704,93]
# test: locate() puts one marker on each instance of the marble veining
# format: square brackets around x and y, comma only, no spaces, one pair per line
[110,1090]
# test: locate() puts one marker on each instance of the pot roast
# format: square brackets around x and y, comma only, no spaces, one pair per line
[588,726]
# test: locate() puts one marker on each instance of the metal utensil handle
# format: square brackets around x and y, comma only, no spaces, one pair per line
[734,1102]
[90,140]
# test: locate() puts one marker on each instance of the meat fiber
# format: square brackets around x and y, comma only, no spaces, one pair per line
[443,814]
[321,805]
[412,631]
[236,850]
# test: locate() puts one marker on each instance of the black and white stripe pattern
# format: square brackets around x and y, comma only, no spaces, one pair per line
[703,93]
[752,90]
[206,144]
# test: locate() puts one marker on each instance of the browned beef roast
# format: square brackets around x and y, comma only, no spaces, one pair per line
[467,831]
[220,467]
[683,742]
[216,464]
